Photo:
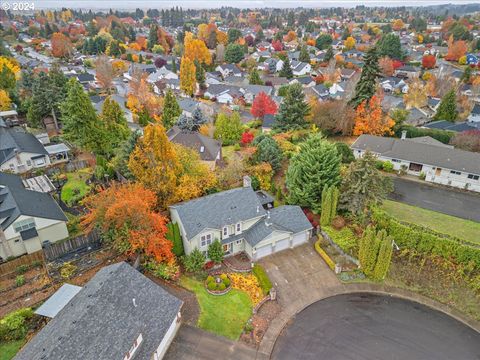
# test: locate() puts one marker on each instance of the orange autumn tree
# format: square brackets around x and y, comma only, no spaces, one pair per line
[456,49]
[61,45]
[369,119]
[195,49]
[125,213]
[174,173]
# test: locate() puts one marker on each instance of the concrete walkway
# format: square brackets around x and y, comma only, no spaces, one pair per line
[302,278]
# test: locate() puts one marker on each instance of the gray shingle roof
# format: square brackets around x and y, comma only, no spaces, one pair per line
[102,321]
[427,154]
[15,138]
[216,210]
[15,200]
[206,147]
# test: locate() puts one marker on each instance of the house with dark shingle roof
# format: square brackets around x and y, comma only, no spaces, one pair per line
[27,218]
[20,151]
[238,219]
[439,163]
[210,150]
[118,314]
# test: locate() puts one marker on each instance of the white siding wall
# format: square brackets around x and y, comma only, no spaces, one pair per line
[19,163]
[445,177]
[168,338]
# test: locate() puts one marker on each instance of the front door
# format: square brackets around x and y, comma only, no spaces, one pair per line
[227,248]
[438,171]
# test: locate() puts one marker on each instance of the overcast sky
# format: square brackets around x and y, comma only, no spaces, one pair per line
[132,4]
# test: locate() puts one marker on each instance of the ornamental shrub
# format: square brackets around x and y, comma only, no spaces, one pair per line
[221,286]
[387,166]
[212,285]
[262,277]
[14,325]
[210,278]
[227,282]
[19,280]
[223,276]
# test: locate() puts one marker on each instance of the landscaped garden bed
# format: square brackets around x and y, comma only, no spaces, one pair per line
[218,284]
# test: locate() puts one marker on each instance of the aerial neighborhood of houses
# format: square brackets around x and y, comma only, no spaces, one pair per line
[223,183]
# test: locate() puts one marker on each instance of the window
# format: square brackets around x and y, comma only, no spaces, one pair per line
[17,240]
[396,160]
[239,227]
[202,149]
[205,240]
[239,242]
[29,162]
[455,172]
[473,177]
[225,231]
[23,225]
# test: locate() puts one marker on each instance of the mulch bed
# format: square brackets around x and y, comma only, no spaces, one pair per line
[260,322]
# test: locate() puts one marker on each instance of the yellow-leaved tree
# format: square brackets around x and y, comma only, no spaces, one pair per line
[5,102]
[187,76]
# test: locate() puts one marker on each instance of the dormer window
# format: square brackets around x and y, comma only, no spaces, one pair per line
[239,228]
[202,149]
[225,231]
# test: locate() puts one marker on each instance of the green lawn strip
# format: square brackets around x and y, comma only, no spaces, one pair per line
[450,225]
[10,348]
[227,152]
[223,315]
[76,187]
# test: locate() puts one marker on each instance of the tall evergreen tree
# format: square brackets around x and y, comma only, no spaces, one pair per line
[267,151]
[115,126]
[328,54]
[304,55]
[389,45]
[171,110]
[254,78]
[152,36]
[316,166]
[363,185]
[447,110]
[292,110]
[329,204]
[367,85]
[286,70]
[80,122]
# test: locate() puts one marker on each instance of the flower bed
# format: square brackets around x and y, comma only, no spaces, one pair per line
[218,284]
[249,284]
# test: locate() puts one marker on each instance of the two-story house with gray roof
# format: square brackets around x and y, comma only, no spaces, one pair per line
[239,220]
[27,218]
[439,163]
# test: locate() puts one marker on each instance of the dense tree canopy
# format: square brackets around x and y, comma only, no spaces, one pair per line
[293,109]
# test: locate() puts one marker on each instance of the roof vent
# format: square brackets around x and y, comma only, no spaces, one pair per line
[134,303]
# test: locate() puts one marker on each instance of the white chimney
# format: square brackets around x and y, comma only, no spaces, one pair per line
[404,134]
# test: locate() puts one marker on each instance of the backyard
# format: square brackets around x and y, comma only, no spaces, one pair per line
[10,348]
[224,315]
[76,186]
[463,229]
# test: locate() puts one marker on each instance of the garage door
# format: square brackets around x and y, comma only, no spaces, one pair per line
[282,245]
[299,239]
[263,251]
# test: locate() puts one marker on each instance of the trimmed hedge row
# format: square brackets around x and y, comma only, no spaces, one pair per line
[344,238]
[262,278]
[423,241]
[443,136]
[324,256]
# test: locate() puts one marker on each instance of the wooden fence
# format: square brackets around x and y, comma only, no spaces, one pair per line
[78,244]
[11,266]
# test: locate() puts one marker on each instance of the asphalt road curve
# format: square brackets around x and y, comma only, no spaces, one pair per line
[370,327]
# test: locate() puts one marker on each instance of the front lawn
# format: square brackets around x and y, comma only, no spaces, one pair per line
[450,225]
[223,315]
[9,349]
[76,187]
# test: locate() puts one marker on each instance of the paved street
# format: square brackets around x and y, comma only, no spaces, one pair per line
[451,202]
[367,326]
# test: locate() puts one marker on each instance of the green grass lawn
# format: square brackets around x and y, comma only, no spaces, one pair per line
[227,152]
[76,187]
[10,348]
[445,224]
[224,315]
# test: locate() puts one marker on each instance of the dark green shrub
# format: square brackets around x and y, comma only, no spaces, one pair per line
[425,240]
[344,150]
[21,269]
[194,262]
[262,278]
[443,136]
[173,234]
[379,165]
[227,282]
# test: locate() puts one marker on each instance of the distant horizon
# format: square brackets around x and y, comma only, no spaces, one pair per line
[99,5]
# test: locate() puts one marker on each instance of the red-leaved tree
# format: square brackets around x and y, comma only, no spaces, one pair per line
[277,45]
[428,61]
[263,105]
[247,138]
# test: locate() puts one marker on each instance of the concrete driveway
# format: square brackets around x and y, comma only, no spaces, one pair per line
[448,201]
[192,343]
[368,327]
